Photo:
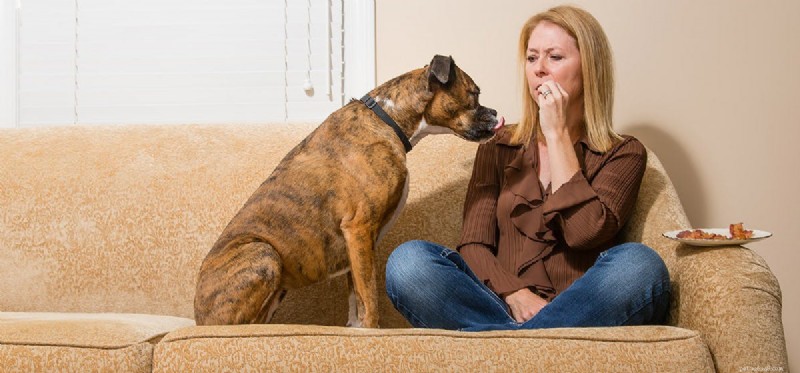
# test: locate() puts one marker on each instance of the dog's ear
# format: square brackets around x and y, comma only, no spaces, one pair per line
[441,70]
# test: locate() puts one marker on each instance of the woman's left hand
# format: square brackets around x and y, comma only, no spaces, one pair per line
[524,304]
[553,101]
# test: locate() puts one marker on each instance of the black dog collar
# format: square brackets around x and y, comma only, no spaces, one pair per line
[372,104]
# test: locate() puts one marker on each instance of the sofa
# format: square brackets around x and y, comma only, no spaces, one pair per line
[103,228]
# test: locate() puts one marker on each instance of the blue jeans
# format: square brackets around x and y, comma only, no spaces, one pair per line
[433,287]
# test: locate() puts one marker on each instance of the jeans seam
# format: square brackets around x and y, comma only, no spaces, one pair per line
[495,298]
[492,295]
[445,252]
[405,309]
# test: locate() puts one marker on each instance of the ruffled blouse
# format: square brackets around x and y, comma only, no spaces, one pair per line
[517,234]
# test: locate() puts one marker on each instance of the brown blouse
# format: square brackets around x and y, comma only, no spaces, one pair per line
[517,234]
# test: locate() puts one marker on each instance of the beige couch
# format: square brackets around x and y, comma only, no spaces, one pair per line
[102,230]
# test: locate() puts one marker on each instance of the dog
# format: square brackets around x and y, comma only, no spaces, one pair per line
[330,200]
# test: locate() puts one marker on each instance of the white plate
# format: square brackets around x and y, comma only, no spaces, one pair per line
[757,236]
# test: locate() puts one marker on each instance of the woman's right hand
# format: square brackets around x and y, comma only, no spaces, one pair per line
[553,103]
[524,304]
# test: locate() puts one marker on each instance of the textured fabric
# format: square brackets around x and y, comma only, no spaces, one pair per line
[117,219]
[16,358]
[304,349]
[730,296]
[517,234]
[75,342]
[112,330]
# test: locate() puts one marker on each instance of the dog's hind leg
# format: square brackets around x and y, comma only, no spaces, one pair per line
[240,285]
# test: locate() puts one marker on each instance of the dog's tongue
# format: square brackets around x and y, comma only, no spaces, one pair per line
[500,123]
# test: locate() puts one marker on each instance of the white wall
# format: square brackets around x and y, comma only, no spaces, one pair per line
[8,63]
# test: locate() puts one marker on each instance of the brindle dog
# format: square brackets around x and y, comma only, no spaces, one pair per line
[327,203]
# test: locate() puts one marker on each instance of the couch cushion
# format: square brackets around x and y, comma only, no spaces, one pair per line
[118,218]
[314,348]
[79,342]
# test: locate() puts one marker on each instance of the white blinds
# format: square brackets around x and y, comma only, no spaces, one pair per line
[179,61]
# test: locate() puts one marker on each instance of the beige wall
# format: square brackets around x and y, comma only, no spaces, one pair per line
[710,86]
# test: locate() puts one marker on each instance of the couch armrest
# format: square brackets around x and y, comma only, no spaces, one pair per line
[732,298]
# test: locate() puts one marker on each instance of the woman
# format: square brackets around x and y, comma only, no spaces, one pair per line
[545,203]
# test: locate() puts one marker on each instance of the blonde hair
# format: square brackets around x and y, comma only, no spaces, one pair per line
[597,74]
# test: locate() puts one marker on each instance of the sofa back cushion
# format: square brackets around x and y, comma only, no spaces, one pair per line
[118,219]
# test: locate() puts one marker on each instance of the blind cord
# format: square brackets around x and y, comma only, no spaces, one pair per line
[285,60]
[75,60]
[308,86]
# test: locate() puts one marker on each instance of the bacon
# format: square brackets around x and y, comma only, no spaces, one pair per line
[737,233]
[698,234]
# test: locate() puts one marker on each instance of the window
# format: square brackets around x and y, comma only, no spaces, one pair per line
[185,61]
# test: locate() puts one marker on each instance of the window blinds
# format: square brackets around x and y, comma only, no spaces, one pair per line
[179,61]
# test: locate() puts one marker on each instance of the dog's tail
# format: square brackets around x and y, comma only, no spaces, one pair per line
[239,285]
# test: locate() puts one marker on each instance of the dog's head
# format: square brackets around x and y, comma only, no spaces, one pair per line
[455,107]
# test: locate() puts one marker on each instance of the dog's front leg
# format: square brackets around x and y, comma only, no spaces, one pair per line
[361,252]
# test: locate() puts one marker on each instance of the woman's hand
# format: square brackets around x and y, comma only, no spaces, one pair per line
[524,304]
[553,102]
[563,162]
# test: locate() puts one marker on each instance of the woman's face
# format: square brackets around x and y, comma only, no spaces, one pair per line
[553,55]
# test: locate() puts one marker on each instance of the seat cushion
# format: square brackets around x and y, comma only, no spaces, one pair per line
[316,348]
[80,341]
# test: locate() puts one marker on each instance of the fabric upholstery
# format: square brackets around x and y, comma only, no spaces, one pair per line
[33,358]
[731,297]
[37,342]
[108,219]
[306,348]
[116,220]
